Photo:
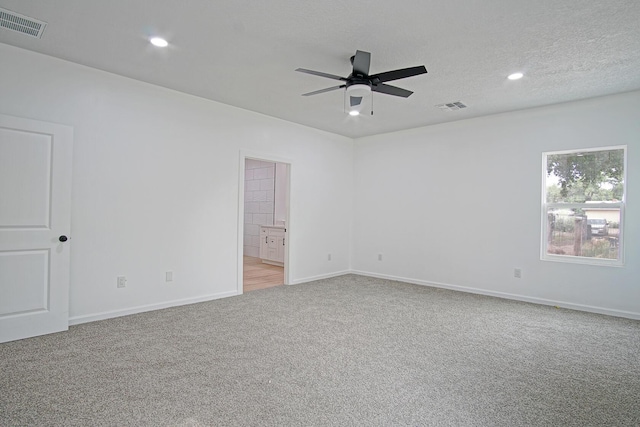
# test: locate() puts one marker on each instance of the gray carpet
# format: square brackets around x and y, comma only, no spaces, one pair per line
[343,351]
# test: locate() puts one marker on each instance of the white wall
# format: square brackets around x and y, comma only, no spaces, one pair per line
[155,184]
[156,176]
[259,202]
[483,176]
[280,194]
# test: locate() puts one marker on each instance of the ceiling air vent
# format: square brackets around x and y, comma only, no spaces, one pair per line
[453,106]
[22,24]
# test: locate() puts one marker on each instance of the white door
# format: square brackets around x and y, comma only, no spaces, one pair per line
[35,204]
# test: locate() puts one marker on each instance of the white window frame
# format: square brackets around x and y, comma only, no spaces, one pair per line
[546,206]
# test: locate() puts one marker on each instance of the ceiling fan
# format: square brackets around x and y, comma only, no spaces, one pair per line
[359,83]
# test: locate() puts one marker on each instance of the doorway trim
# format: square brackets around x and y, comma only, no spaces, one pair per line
[266,157]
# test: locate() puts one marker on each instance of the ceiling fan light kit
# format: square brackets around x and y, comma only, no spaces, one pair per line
[359,84]
[356,97]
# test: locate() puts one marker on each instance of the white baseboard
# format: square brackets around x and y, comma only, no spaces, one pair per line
[505,295]
[320,277]
[77,320]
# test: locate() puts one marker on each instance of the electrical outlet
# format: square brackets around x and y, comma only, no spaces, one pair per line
[168,276]
[517,273]
[328,257]
[122,282]
[379,257]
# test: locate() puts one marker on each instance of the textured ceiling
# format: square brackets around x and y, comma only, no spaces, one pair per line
[244,53]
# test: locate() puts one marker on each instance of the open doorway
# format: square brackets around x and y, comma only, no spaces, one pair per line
[264,218]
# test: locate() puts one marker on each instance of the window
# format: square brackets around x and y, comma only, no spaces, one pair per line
[583,194]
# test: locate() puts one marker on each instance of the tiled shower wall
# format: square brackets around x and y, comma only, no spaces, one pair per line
[258,202]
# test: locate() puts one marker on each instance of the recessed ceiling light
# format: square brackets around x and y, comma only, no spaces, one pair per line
[515,76]
[354,113]
[159,42]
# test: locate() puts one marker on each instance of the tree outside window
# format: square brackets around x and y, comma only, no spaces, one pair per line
[583,205]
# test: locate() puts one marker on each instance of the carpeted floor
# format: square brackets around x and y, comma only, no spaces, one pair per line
[344,351]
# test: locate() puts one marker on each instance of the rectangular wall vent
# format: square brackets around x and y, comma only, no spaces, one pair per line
[452,106]
[21,24]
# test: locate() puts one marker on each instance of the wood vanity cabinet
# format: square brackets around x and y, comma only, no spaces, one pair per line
[272,243]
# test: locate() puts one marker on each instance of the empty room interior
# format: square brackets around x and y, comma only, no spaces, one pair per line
[320,213]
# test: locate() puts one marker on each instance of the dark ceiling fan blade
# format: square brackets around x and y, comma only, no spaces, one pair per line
[361,62]
[391,90]
[398,74]
[321,74]
[329,89]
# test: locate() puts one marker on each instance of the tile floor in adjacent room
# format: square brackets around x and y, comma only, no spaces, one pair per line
[258,275]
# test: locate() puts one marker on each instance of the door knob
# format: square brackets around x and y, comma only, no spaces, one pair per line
[63,238]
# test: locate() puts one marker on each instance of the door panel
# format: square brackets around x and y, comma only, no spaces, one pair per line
[35,201]
[25,277]
[25,185]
